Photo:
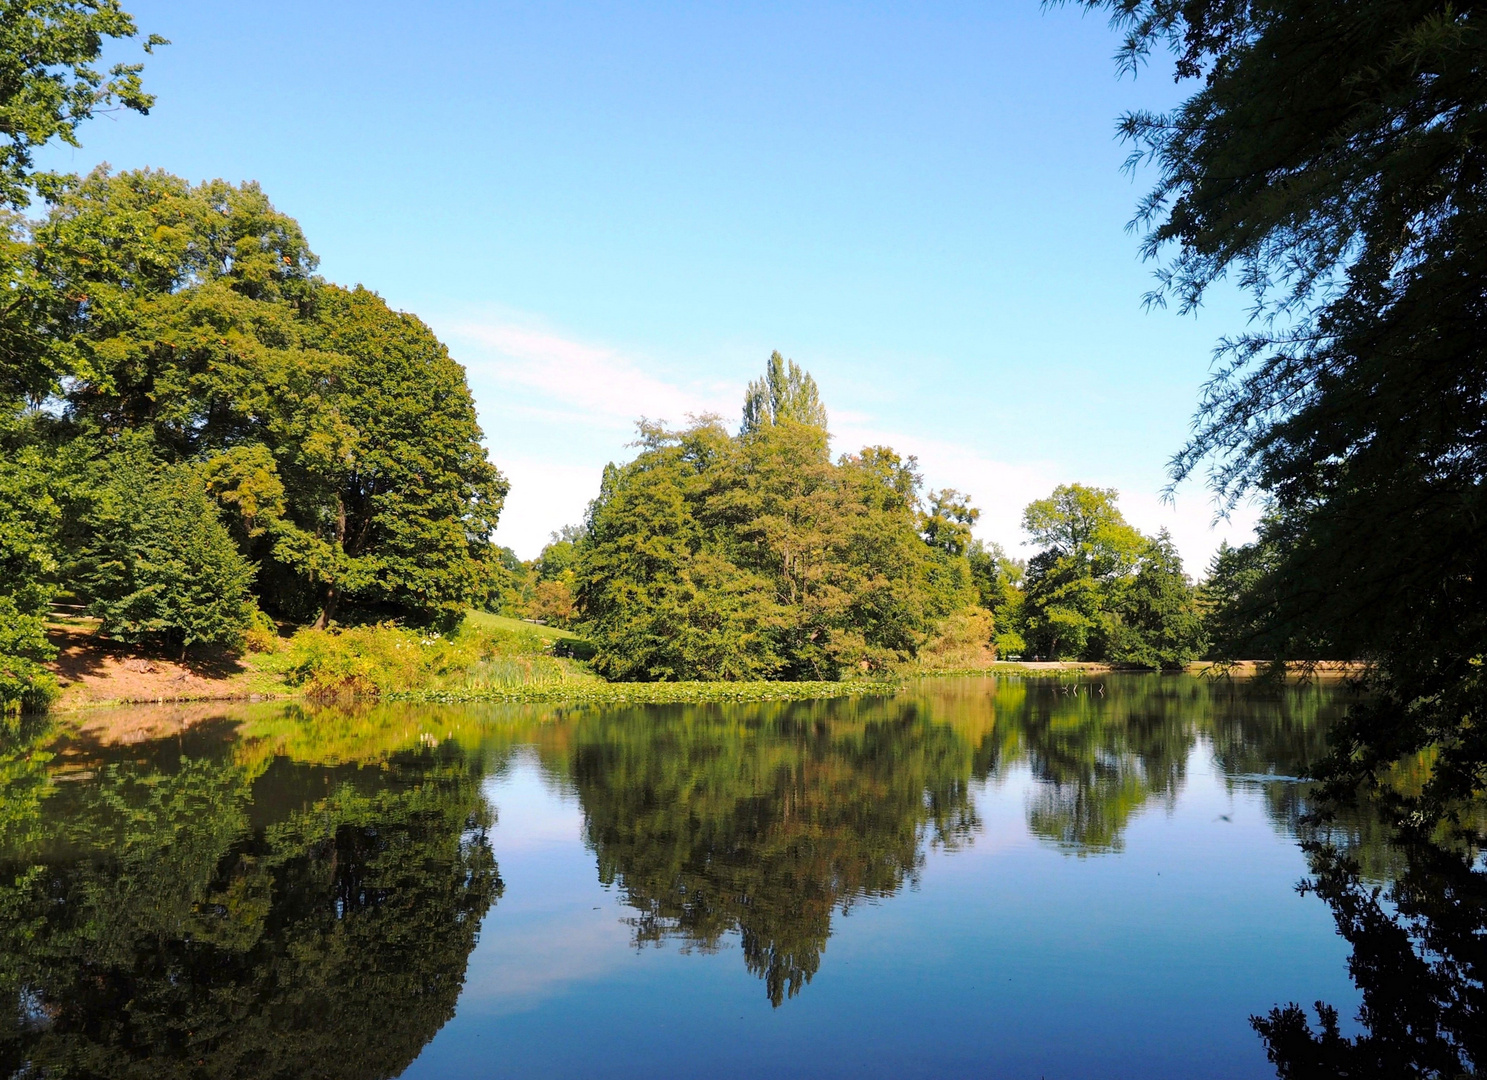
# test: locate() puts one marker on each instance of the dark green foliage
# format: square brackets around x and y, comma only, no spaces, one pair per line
[1330,158]
[1235,624]
[655,602]
[1088,549]
[1420,965]
[1156,622]
[143,311]
[1099,590]
[29,519]
[48,84]
[159,567]
[167,923]
[338,434]
[402,512]
[713,556]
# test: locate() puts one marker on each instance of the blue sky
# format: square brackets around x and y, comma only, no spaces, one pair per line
[610,210]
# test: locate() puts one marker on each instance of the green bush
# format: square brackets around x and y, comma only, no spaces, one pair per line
[160,567]
[373,661]
[25,683]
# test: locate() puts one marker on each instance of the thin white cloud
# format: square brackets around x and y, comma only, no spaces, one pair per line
[600,383]
[1002,489]
[544,497]
[999,488]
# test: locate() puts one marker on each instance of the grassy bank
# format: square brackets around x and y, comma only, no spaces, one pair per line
[488,658]
[491,658]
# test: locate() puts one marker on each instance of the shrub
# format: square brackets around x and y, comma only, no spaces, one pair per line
[25,683]
[262,636]
[963,642]
[370,661]
[161,567]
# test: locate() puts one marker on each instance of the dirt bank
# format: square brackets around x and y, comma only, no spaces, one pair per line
[97,671]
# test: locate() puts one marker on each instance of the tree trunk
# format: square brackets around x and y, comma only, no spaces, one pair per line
[328,608]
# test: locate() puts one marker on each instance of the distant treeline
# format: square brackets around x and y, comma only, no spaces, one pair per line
[756,555]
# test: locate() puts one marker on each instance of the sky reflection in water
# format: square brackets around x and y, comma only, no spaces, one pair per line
[976,878]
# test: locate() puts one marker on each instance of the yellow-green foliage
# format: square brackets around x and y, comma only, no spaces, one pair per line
[962,644]
[376,661]
[595,691]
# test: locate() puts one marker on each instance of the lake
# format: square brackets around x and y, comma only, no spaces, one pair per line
[974,877]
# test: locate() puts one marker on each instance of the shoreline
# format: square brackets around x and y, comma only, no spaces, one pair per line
[96,673]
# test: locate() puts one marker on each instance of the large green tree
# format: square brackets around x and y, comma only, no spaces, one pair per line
[1330,159]
[340,434]
[1099,590]
[757,556]
[1155,619]
[1087,549]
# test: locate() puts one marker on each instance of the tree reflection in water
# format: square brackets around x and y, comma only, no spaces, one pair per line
[298,895]
[159,920]
[1419,960]
[766,820]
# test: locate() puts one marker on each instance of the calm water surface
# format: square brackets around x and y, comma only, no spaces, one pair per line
[996,878]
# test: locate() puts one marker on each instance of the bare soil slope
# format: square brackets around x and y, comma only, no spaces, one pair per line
[94,670]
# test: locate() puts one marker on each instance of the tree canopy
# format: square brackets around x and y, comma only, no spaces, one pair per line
[784,392]
[754,555]
[1329,159]
[48,82]
[1100,590]
[322,447]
